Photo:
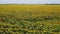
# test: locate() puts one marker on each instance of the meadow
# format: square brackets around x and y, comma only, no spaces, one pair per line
[29,19]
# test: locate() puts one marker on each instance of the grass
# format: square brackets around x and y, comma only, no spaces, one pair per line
[29,19]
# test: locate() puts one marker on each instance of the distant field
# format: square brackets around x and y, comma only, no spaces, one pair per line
[29,19]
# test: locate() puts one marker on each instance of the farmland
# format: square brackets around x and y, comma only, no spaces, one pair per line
[29,19]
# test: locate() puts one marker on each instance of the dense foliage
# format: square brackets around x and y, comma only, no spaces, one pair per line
[27,19]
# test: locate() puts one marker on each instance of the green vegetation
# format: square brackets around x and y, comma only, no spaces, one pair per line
[29,19]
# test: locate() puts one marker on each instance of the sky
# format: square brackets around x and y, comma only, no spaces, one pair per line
[29,1]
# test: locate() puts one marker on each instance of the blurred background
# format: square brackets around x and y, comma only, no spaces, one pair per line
[29,1]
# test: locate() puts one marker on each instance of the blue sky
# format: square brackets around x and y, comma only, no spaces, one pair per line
[29,1]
